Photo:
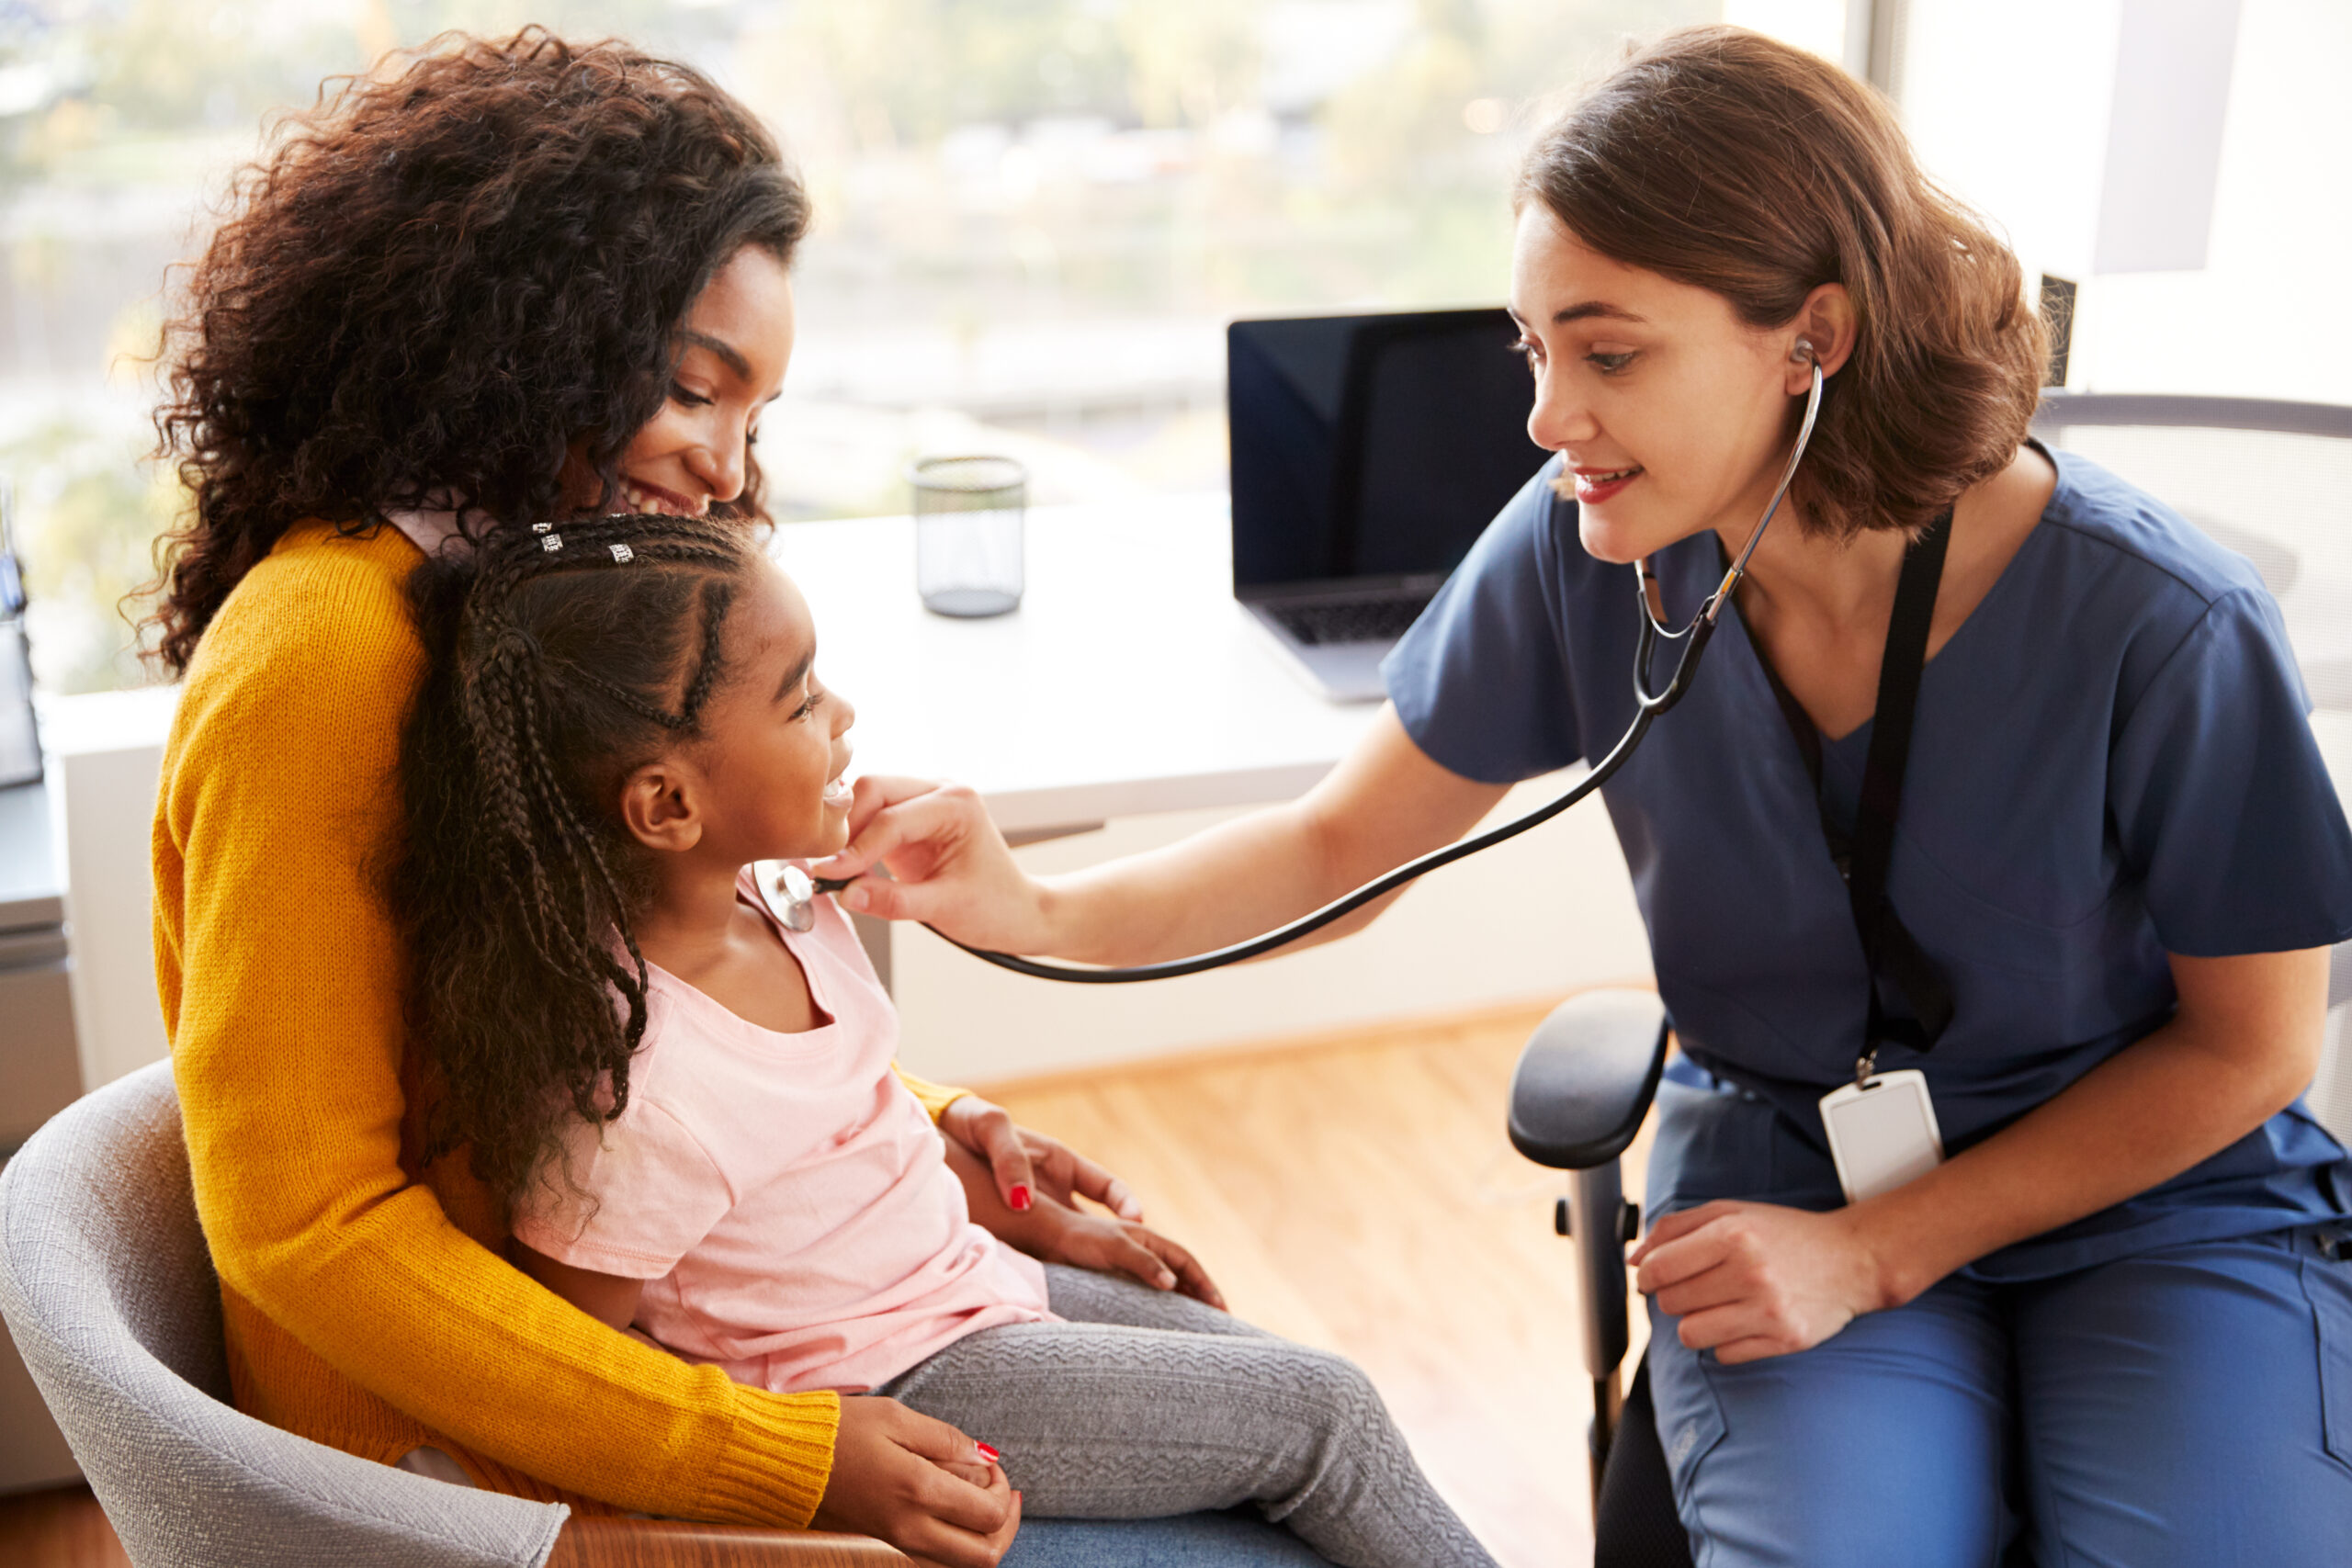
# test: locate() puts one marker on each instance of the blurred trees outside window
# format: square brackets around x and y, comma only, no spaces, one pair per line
[1033,218]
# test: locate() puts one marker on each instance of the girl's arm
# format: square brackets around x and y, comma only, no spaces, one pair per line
[1384,804]
[610,1299]
[1755,1279]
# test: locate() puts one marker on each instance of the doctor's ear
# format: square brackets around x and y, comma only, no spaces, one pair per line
[660,806]
[1821,334]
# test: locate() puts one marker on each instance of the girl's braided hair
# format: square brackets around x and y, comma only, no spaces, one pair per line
[447,283]
[561,659]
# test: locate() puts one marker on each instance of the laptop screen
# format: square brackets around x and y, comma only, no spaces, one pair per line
[1371,451]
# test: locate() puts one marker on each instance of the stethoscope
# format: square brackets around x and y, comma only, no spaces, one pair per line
[792,892]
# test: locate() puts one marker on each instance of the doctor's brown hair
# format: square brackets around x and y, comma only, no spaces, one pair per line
[1722,159]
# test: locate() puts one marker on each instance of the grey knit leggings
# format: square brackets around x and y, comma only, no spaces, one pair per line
[1145,1403]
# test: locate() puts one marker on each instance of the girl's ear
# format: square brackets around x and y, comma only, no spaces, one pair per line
[660,806]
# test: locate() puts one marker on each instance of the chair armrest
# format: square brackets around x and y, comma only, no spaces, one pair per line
[606,1542]
[1586,1079]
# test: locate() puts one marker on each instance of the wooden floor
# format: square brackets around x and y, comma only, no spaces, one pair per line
[1355,1192]
[57,1530]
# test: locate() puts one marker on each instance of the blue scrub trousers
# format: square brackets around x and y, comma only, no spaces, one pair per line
[2189,1407]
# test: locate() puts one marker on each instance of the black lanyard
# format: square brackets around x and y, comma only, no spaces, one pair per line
[1888,947]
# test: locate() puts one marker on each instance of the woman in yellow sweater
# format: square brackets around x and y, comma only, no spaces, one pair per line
[519,281]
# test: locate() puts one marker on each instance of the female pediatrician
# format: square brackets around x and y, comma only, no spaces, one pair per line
[2115,1325]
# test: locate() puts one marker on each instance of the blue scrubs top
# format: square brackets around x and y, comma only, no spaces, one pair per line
[2112,759]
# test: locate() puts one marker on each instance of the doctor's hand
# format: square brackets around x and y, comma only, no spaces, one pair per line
[1028,1165]
[1749,1281]
[947,863]
[918,1483]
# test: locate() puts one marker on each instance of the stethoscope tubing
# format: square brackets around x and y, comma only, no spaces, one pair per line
[1648,705]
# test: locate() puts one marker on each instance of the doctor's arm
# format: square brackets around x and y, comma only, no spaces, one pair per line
[1385,803]
[1755,1279]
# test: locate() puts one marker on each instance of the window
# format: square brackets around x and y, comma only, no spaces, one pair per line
[1038,217]
[1033,219]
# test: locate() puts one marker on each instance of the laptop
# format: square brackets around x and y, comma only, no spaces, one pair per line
[1369,452]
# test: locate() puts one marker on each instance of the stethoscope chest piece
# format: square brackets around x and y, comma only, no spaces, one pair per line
[790,892]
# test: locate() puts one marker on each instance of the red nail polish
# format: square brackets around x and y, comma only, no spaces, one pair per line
[987,1452]
[1020,1196]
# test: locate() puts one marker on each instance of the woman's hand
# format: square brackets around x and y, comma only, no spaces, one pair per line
[1755,1279]
[1029,1165]
[947,864]
[910,1481]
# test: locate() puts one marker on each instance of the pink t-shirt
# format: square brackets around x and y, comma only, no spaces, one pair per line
[784,1194]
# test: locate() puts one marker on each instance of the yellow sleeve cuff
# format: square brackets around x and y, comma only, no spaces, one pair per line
[777,1467]
[936,1098]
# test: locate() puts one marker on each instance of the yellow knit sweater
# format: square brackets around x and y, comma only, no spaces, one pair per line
[367,1302]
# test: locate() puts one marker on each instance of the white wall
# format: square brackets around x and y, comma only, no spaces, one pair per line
[2266,317]
[2007,104]
[1530,920]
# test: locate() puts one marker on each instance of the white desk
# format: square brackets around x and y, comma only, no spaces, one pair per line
[1127,682]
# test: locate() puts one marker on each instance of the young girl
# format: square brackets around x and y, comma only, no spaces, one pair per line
[689,1105]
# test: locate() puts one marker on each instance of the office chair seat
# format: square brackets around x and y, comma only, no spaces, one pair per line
[1579,1096]
[1633,1521]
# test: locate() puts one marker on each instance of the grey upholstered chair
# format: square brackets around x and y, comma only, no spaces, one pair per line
[107,1287]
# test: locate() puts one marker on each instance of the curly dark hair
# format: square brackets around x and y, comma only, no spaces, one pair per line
[437,287]
[1728,160]
[553,674]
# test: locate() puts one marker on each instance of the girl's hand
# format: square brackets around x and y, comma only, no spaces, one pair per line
[901,1477]
[1060,1234]
[1053,1231]
[1755,1279]
[949,865]
[1029,1165]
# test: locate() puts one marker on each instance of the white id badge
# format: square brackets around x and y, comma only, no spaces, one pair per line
[1882,1133]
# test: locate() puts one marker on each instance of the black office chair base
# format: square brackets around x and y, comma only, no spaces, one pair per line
[1635,1524]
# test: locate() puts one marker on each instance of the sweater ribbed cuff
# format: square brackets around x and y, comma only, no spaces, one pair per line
[934,1097]
[776,1462]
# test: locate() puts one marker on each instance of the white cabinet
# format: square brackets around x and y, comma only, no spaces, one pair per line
[41,1074]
